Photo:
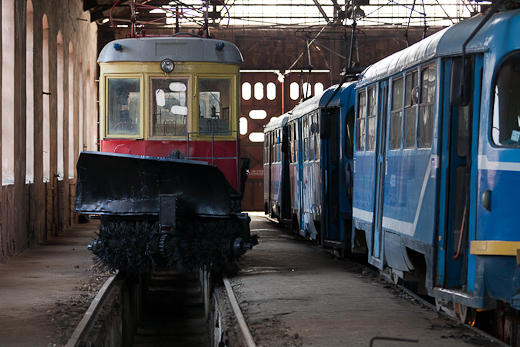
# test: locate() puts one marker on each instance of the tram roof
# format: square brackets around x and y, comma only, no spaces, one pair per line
[277,122]
[178,49]
[447,42]
[320,100]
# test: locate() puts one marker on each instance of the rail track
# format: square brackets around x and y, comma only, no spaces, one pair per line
[175,308]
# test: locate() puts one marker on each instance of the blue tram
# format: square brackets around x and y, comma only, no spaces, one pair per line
[437,160]
[427,185]
[318,156]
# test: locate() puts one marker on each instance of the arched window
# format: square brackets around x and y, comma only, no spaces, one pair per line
[271,91]
[243,125]
[8,92]
[246,90]
[59,80]
[318,88]
[29,96]
[72,157]
[259,91]
[46,102]
[307,90]
[257,114]
[294,91]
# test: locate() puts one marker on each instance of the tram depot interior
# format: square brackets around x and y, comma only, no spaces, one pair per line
[49,106]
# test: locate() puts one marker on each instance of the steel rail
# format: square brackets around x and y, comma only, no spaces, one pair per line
[238,313]
[91,315]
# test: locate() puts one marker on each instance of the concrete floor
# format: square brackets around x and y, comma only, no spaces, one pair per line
[294,294]
[38,283]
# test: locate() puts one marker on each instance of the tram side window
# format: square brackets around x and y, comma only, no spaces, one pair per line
[360,121]
[506,109]
[305,139]
[124,115]
[169,106]
[410,108]
[266,148]
[371,131]
[317,148]
[312,137]
[425,123]
[215,105]
[396,116]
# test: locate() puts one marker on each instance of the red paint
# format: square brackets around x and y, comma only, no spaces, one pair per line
[198,150]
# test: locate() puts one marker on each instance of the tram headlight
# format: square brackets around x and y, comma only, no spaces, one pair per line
[167,65]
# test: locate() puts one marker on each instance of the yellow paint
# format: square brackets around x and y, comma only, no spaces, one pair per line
[507,248]
[191,70]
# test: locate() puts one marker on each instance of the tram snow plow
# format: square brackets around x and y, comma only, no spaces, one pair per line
[161,211]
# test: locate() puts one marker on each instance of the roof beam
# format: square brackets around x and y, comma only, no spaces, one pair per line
[322,11]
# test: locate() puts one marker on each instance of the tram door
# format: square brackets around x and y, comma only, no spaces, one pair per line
[457,203]
[380,146]
[331,166]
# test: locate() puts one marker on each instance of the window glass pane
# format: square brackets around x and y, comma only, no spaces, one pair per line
[123,116]
[271,91]
[246,90]
[318,88]
[169,108]
[307,90]
[256,137]
[410,115]
[294,91]
[257,114]
[243,125]
[371,131]
[411,89]
[214,105]
[259,91]
[349,135]
[396,114]
[506,110]
[425,123]
[361,115]
[397,94]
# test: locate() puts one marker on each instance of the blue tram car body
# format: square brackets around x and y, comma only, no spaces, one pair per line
[319,169]
[435,181]
[425,181]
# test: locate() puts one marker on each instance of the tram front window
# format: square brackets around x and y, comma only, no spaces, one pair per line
[215,106]
[506,109]
[124,116]
[169,107]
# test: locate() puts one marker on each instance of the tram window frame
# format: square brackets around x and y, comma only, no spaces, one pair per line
[305,125]
[178,132]
[107,133]
[225,112]
[349,133]
[371,117]
[396,113]
[505,127]
[360,120]
[411,99]
[312,140]
[317,139]
[426,106]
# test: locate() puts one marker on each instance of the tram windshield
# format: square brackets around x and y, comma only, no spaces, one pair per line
[169,106]
[123,116]
[506,109]
[214,106]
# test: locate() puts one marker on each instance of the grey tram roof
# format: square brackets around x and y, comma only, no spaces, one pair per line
[178,49]
[320,100]
[312,104]
[447,42]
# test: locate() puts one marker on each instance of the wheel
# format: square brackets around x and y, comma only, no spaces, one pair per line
[467,315]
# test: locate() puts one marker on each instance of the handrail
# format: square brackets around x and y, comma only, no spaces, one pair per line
[213,158]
